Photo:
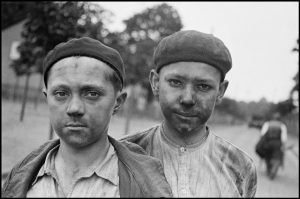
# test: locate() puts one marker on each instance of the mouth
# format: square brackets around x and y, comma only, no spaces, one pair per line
[75,126]
[186,115]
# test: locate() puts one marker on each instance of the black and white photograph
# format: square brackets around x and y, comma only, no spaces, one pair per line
[150,99]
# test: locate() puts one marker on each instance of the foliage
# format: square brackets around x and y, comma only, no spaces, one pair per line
[296,77]
[231,107]
[13,12]
[247,110]
[143,32]
[49,23]
[285,107]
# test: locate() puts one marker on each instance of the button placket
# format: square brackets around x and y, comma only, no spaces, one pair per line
[182,173]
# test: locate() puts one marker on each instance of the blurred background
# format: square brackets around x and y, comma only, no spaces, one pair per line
[263,39]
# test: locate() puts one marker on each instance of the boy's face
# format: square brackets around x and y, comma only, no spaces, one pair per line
[81,99]
[187,93]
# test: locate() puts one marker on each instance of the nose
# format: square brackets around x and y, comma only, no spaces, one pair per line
[187,97]
[75,107]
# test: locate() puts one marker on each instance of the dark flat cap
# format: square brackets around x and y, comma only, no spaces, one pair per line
[194,46]
[85,46]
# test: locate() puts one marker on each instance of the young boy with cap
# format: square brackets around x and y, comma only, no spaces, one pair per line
[83,86]
[188,81]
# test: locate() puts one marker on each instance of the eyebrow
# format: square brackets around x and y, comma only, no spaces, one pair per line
[83,87]
[91,87]
[184,78]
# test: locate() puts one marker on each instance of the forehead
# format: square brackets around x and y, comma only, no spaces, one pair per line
[80,69]
[191,70]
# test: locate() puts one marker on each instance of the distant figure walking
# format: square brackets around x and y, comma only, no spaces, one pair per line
[272,143]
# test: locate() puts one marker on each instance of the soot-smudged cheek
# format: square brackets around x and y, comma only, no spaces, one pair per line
[205,110]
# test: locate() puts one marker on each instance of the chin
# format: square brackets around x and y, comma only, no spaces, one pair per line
[75,141]
[184,129]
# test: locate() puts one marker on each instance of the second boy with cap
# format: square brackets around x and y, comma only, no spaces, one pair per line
[188,81]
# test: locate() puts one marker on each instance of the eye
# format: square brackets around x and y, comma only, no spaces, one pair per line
[175,82]
[60,95]
[203,87]
[92,95]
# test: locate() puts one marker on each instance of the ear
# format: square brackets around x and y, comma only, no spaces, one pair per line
[222,89]
[44,90]
[121,98]
[154,81]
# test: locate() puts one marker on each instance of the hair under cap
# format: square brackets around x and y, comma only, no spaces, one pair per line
[88,47]
[193,46]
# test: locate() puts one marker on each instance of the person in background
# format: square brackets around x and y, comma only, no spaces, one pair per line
[83,86]
[275,128]
[189,79]
[272,144]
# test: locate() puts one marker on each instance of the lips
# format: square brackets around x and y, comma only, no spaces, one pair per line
[75,125]
[186,115]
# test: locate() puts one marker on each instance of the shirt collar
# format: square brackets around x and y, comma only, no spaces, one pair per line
[48,168]
[107,169]
[176,146]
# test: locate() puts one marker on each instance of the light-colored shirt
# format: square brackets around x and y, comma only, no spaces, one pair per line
[283,135]
[102,181]
[210,168]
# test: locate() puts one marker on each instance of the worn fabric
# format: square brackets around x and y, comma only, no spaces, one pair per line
[85,46]
[193,46]
[210,168]
[140,175]
[101,181]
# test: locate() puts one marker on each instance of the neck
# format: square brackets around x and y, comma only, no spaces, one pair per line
[76,159]
[184,138]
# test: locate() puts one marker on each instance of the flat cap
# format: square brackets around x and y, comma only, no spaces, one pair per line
[194,46]
[85,46]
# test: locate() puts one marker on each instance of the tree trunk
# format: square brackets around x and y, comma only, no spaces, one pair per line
[128,116]
[16,87]
[129,110]
[38,92]
[25,96]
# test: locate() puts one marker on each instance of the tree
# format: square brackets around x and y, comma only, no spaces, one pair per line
[137,42]
[230,106]
[296,77]
[143,32]
[285,107]
[13,12]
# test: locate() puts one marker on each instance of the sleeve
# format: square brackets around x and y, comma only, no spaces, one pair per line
[264,128]
[251,182]
[6,182]
[283,133]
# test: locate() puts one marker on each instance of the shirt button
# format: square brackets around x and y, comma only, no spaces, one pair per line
[182,149]
[183,191]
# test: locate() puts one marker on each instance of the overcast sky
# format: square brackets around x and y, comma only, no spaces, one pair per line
[259,35]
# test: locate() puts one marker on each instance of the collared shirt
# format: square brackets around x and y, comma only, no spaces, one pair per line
[210,168]
[102,181]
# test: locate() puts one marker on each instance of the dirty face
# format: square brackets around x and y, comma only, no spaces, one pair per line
[81,99]
[187,94]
